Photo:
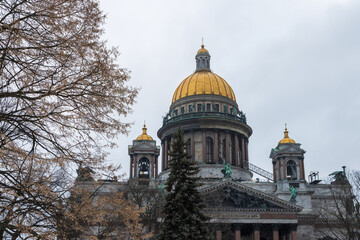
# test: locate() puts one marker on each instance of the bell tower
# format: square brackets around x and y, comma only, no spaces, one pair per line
[288,161]
[144,157]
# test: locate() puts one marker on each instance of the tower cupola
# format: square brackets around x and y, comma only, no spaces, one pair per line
[144,135]
[144,157]
[286,138]
[288,161]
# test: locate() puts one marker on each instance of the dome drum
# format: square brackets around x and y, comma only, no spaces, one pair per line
[196,123]
[210,141]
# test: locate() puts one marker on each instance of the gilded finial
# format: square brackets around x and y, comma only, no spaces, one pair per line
[144,129]
[202,43]
[286,133]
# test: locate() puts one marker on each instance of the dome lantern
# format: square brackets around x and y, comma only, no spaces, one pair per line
[202,59]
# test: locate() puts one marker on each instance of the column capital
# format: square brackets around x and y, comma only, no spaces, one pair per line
[275,226]
[293,227]
[237,226]
[256,226]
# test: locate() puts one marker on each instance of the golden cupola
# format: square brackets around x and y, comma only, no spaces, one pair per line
[286,138]
[203,81]
[202,50]
[144,135]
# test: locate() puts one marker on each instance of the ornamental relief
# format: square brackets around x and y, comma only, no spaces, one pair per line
[228,197]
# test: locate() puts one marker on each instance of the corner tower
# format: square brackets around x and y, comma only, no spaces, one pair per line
[288,161]
[204,107]
[144,157]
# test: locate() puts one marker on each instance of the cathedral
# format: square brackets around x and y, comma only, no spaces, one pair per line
[217,134]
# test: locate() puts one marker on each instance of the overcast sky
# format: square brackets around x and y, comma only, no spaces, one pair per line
[294,62]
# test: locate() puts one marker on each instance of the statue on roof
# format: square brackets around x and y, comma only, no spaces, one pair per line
[292,194]
[84,174]
[339,177]
[226,171]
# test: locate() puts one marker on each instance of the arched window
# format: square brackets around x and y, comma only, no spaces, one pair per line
[144,168]
[291,173]
[209,149]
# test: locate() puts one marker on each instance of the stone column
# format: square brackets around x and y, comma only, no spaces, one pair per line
[152,166]
[156,166]
[237,231]
[302,175]
[274,172]
[246,155]
[218,235]
[284,169]
[256,231]
[243,152]
[279,169]
[275,228]
[293,232]
[166,154]
[216,147]
[135,167]
[237,156]
[203,146]
[131,166]
[192,146]
[298,173]
[227,147]
[162,156]
[288,236]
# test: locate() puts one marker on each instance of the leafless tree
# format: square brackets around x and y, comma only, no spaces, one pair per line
[100,210]
[149,199]
[61,98]
[339,216]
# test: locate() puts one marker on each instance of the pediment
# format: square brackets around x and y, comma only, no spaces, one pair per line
[290,149]
[230,195]
[143,145]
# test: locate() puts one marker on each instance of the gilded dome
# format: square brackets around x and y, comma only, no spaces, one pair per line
[286,138]
[202,49]
[144,135]
[203,82]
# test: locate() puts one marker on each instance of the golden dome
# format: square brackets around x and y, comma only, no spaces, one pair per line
[144,135]
[202,49]
[286,138]
[203,82]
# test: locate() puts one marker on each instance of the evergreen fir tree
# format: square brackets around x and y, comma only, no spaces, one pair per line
[183,218]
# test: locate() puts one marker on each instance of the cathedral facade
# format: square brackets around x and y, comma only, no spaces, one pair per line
[217,134]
